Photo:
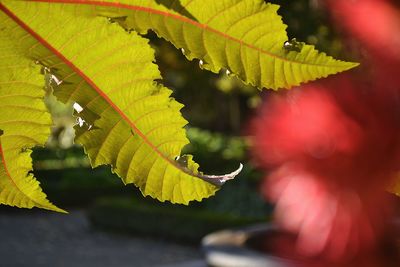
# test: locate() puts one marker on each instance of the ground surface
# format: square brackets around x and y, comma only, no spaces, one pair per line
[34,238]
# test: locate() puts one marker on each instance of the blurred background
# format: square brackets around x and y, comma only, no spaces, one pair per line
[114,225]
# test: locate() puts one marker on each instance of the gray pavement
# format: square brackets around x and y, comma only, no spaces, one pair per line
[32,238]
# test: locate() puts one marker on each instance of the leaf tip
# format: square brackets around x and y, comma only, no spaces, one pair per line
[61,211]
[353,65]
[52,207]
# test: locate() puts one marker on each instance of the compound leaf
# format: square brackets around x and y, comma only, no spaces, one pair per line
[127,120]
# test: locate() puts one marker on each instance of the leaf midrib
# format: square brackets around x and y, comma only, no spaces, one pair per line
[184,20]
[35,35]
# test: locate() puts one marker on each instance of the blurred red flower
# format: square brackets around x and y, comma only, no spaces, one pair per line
[332,147]
[375,25]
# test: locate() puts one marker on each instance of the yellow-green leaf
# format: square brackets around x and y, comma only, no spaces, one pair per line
[128,120]
[246,37]
[24,123]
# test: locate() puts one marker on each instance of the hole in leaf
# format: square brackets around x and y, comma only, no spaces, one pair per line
[293,45]
[78,108]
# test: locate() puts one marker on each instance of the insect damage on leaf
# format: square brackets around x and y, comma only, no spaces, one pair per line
[293,45]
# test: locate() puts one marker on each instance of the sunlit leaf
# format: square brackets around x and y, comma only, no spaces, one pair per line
[127,120]
[24,123]
[246,37]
